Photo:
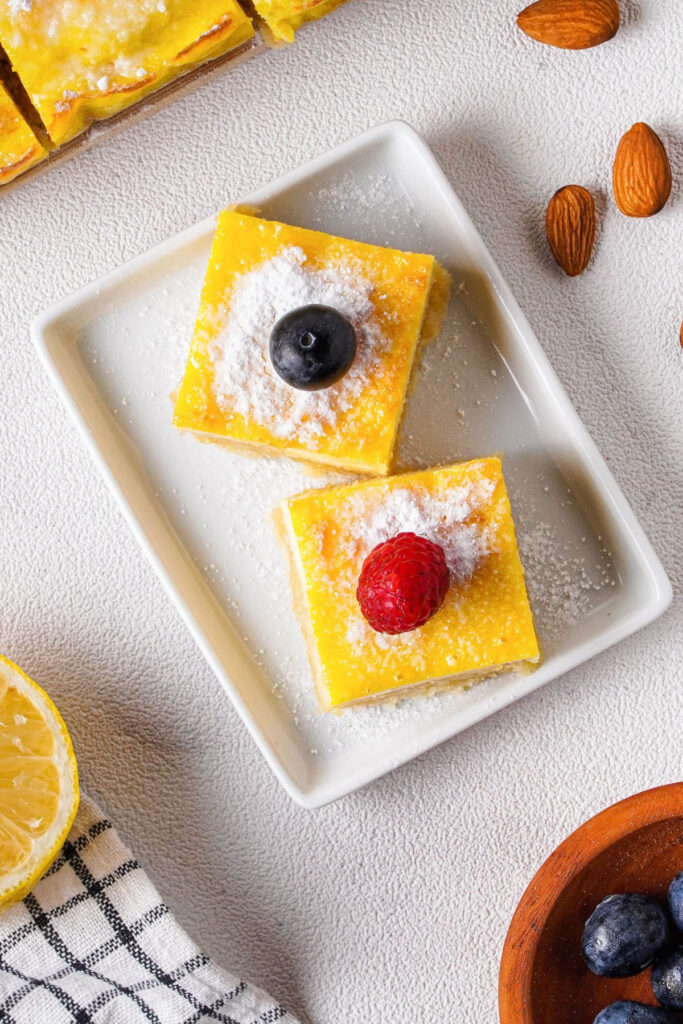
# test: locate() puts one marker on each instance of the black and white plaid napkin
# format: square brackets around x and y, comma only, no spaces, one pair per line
[94,943]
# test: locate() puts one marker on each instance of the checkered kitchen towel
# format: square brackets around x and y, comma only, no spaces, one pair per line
[94,943]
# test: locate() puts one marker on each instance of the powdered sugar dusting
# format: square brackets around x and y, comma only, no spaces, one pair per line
[244,379]
[20,7]
[561,586]
[449,517]
[443,517]
[67,96]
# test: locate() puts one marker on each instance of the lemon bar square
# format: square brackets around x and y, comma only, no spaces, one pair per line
[282,18]
[88,59]
[259,270]
[485,623]
[19,147]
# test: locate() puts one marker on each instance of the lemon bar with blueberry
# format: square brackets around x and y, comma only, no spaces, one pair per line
[407,583]
[88,59]
[305,343]
[19,147]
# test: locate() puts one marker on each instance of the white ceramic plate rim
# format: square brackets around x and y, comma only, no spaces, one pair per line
[593,465]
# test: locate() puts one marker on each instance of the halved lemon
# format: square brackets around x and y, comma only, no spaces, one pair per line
[38,783]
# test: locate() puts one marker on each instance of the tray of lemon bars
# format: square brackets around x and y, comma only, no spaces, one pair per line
[73,74]
[342,448]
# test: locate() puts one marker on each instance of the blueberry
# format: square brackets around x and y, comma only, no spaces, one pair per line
[312,347]
[667,979]
[624,934]
[625,1011]
[676,900]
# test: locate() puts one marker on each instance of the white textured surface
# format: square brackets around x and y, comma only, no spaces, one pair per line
[393,904]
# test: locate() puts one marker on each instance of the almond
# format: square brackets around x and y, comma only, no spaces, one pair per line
[570,24]
[570,227]
[641,177]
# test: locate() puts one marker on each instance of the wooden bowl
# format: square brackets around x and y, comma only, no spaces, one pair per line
[634,846]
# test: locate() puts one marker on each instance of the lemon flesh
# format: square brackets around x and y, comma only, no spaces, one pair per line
[38,783]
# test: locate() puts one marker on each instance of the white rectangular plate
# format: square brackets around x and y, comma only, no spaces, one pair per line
[116,350]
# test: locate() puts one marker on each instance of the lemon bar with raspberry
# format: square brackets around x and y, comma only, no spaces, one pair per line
[282,18]
[19,147]
[88,59]
[453,521]
[305,343]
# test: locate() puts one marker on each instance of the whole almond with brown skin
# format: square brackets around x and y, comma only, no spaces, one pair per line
[570,227]
[570,24]
[641,177]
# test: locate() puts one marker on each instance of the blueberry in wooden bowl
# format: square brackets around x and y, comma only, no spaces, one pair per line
[627,1011]
[667,979]
[635,846]
[675,898]
[624,934]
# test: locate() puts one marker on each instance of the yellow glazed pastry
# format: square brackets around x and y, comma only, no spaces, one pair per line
[19,147]
[484,624]
[259,271]
[282,18]
[83,60]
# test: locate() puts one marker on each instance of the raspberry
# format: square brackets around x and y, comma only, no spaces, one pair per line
[402,583]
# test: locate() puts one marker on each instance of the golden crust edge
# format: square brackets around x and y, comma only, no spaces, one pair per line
[431,687]
[33,156]
[313,464]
